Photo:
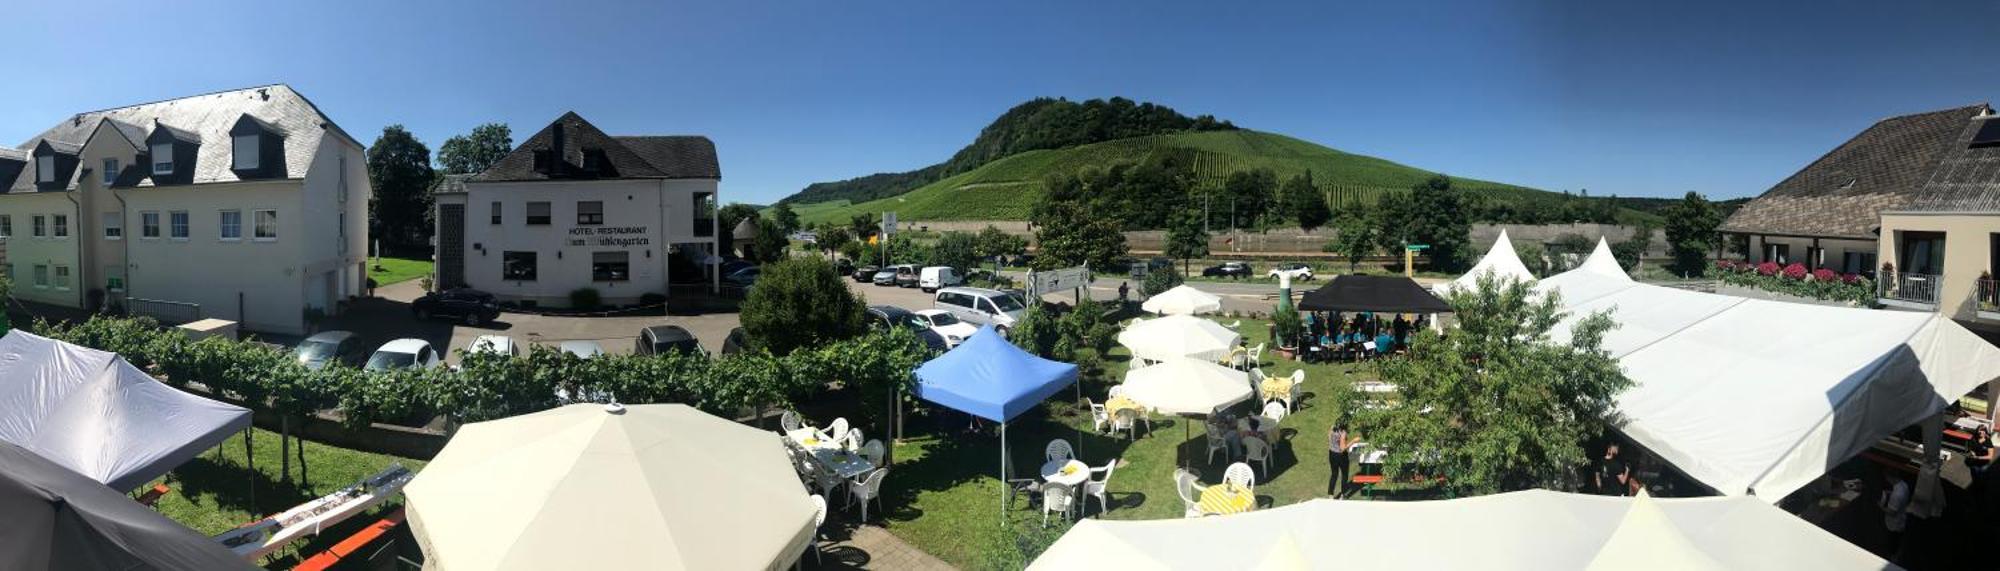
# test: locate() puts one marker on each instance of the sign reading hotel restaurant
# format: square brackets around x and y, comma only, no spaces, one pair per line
[610,236]
[1057,280]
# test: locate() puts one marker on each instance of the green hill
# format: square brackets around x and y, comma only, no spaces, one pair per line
[1004,189]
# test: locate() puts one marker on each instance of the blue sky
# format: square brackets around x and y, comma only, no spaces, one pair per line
[1635,99]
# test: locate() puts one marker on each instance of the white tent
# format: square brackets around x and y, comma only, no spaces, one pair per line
[1760,397]
[1182,300]
[1521,530]
[97,415]
[1178,336]
[1501,261]
[1187,386]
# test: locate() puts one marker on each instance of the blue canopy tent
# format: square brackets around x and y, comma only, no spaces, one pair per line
[988,377]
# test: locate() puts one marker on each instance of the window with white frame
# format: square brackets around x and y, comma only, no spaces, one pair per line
[267,225]
[6,225]
[110,171]
[177,224]
[229,225]
[62,277]
[114,278]
[163,158]
[42,276]
[149,224]
[245,151]
[45,168]
[114,225]
[38,226]
[62,225]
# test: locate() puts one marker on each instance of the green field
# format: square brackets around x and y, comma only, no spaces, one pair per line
[387,271]
[1005,189]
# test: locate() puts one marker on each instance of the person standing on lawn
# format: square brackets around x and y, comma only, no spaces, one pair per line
[1336,457]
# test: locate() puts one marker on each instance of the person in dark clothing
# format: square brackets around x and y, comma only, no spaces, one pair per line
[1336,456]
[1124,288]
[1612,475]
[1979,453]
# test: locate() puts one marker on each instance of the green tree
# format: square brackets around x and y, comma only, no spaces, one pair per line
[1305,203]
[1567,250]
[1186,239]
[1432,213]
[1070,229]
[1355,238]
[476,151]
[788,221]
[863,226]
[1629,251]
[399,168]
[1531,255]
[1251,194]
[995,243]
[735,213]
[833,239]
[800,302]
[1498,405]
[771,242]
[1690,227]
[1159,282]
[960,250]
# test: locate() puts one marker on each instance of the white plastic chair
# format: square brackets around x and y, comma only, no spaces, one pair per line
[1100,488]
[1115,391]
[1184,485]
[819,519]
[1126,420]
[1216,443]
[1275,410]
[852,440]
[1098,415]
[869,488]
[826,480]
[1256,450]
[1056,498]
[1059,449]
[837,430]
[1257,355]
[1241,475]
[874,451]
[790,421]
[1298,389]
[1238,323]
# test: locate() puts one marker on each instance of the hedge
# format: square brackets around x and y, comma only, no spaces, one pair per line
[487,385]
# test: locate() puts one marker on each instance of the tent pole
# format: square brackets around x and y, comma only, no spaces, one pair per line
[250,459]
[1079,429]
[1006,487]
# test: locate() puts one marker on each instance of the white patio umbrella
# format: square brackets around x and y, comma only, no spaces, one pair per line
[1182,300]
[591,486]
[1176,336]
[1187,387]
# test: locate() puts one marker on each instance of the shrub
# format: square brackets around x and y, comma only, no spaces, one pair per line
[800,302]
[1159,282]
[650,299]
[1825,275]
[1795,271]
[1287,326]
[1767,268]
[584,298]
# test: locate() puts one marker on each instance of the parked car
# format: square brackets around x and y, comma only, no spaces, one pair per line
[865,273]
[743,278]
[981,306]
[500,344]
[404,353]
[472,306]
[329,348]
[733,265]
[906,275]
[887,276]
[937,277]
[738,341]
[1301,271]
[664,338]
[947,325]
[581,348]
[1227,270]
[884,317]
[843,266]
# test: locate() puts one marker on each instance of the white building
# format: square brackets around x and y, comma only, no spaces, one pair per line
[248,205]
[573,208]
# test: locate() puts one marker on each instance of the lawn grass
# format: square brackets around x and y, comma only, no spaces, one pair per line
[387,271]
[943,495]
[213,495]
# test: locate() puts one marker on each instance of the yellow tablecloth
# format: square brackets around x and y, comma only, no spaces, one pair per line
[1226,499]
[1275,388]
[1120,402]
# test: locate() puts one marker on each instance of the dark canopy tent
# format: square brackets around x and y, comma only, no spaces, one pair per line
[1381,294]
[59,519]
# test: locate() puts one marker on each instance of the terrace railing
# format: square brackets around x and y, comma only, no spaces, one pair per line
[169,313]
[1906,288]
[1986,297]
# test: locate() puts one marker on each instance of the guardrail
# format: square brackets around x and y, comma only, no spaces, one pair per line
[168,313]
[1987,296]
[1909,288]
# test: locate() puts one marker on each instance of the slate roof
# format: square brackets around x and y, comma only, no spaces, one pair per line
[1842,195]
[203,118]
[1967,178]
[628,157]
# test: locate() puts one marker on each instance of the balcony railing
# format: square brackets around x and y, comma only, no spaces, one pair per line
[1905,288]
[1986,298]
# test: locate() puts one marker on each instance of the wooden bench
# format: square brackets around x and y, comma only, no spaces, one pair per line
[153,496]
[353,544]
[1369,481]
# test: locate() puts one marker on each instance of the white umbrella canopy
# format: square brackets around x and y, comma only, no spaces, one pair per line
[1182,300]
[605,487]
[1187,386]
[1176,336]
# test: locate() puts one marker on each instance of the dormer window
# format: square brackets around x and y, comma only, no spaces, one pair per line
[245,149]
[163,158]
[45,168]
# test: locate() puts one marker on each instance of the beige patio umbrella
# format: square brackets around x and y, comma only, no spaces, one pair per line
[1177,336]
[591,486]
[1182,300]
[1187,387]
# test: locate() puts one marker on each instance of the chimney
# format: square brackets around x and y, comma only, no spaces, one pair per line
[558,150]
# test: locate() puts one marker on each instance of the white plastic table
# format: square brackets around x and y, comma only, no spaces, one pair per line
[1052,472]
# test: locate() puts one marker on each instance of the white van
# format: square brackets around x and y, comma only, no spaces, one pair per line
[981,306]
[939,277]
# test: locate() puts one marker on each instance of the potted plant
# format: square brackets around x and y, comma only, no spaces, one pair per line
[1285,330]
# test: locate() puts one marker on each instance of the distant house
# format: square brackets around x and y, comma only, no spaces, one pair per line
[574,208]
[1828,215]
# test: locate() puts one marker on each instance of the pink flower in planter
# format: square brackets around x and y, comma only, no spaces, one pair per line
[1850,279]
[1796,271]
[1768,268]
[1825,275]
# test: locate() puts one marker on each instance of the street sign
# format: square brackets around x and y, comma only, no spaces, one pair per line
[888,223]
[1418,247]
[1057,280]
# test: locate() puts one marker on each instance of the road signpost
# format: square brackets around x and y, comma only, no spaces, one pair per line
[1410,258]
[1075,278]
